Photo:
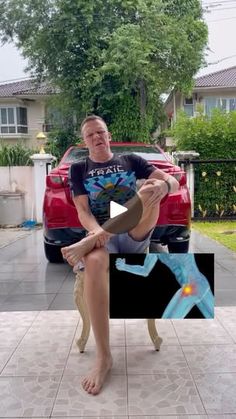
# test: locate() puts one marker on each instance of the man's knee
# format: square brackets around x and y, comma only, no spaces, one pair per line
[97,260]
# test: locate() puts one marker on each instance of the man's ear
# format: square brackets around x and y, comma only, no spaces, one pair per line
[110,136]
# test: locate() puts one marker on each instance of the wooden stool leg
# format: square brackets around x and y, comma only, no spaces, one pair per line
[156,339]
[82,307]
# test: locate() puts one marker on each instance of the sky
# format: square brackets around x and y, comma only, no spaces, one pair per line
[220,18]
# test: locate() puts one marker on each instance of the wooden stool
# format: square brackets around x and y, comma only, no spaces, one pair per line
[82,307]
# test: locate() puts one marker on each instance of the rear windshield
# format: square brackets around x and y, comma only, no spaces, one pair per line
[147,153]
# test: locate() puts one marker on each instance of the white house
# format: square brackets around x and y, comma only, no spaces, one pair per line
[23,111]
[215,90]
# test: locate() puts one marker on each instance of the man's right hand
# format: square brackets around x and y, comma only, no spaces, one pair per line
[102,237]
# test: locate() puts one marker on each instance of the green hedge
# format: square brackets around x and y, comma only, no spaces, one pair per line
[213,138]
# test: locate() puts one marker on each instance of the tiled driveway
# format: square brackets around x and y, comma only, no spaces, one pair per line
[193,375]
[28,282]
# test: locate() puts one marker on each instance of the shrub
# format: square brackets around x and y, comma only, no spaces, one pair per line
[15,155]
[213,138]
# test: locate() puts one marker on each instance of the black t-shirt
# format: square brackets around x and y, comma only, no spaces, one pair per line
[114,180]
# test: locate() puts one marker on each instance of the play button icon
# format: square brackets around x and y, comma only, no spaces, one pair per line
[124,218]
[116,209]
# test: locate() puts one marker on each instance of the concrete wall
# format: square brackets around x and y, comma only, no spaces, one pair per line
[20,179]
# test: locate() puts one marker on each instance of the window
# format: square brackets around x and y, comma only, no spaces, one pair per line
[188,106]
[13,120]
[224,104]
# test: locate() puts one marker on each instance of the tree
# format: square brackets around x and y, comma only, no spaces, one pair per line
[112,57]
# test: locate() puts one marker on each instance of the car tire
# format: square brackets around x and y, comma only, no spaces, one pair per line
[53,253]
[181,247]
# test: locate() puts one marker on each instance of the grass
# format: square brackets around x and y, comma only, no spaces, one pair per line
[215,230]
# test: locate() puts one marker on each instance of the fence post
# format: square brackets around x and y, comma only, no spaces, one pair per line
[186,157]
[41,162]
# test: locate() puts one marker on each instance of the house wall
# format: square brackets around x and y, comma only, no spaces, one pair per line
[36,118]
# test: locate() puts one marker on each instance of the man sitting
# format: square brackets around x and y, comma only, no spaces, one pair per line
[94,182]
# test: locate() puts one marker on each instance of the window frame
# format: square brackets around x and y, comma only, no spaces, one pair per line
[217,100]
[14,125]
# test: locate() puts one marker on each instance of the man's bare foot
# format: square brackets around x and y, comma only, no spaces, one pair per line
[74,253]
[93,382]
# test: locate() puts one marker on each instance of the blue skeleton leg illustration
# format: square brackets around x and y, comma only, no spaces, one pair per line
[195,288]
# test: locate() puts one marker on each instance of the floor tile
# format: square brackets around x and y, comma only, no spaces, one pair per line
[27,302]
[49,336]
[9,267]
[169,417]
[12,336]
[72,400]
[211,358]
[80,363]
[27,396]
[137,333]
[117,335]
[57,318]
[21,318]
[5,355]
[201,331]
[169,360]
[63,302]
[6,287]
[217,392]
[167,394]
[37,287]
[33,361]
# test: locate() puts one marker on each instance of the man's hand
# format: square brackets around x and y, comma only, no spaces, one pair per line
[120,264]
[157,189]
[102,238]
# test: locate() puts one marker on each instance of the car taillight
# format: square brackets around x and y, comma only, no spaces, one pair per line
[54,181]
[181,177]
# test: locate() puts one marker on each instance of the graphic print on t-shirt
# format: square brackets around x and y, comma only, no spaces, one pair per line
[106,187]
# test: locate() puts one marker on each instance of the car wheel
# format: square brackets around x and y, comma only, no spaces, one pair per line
[53,253]
[181,247]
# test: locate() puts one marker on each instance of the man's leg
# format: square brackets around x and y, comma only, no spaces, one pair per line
[150,215]
[96,295]
[149,218]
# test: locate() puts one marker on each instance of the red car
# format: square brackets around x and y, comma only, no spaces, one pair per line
[60,220]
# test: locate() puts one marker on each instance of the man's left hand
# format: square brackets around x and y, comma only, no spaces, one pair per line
[157,189]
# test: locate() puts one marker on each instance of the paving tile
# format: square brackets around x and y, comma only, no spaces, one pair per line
[21,318]
[225,297]
[81,363]
[24,267]
[36,361]
[63,302]
[211,358]
[165,394]
[5,355]
[12,336]
[170,417]
[27,302]
[27,396]
[57,318]
[137,333]
[49,336]
[72,400]
[201,331]
[6,287]
[117,335]
[37,287]
[217,392]
[169,360]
